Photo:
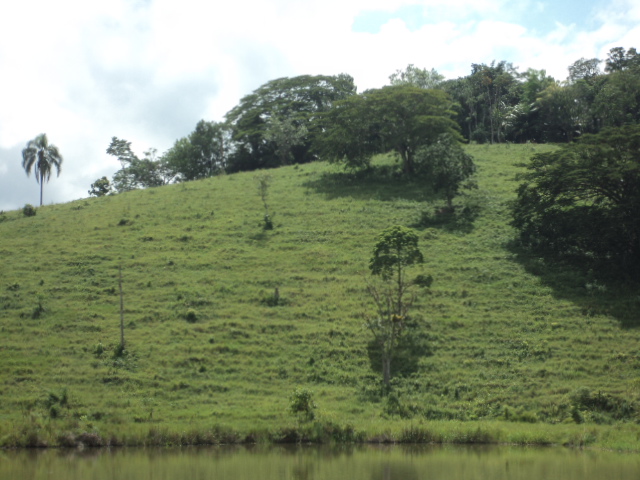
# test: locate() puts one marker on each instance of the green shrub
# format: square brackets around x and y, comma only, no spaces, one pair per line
[98,350]
[29,210]
[191,316]
[301,404]
[268,222]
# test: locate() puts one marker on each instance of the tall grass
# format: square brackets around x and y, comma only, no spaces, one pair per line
[504,336]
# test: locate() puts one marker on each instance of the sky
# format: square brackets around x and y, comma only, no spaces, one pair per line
[148,70]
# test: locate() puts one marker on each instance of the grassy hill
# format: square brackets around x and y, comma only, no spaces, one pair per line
[502,336]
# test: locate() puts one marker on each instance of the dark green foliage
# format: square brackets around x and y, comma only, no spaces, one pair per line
[398,118]
[423,280]
[135,173]
[53,403]
[119,351]
[29,210]
[302,405]
[395,249]
[446,166]
[602,407]
[268,222]
[191,316]
[619,60]
[202,154]
[279,121]
[100,187]
[584,199]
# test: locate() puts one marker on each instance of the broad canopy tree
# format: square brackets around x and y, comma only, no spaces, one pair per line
[201,154]
[42,157]
[399,118]
[257,123]
[583,199]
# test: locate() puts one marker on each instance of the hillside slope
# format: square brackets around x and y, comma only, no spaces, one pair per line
[502,334]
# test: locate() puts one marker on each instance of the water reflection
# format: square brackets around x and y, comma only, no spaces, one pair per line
[361,462]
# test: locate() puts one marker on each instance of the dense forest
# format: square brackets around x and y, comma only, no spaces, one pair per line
[422,119]
[288,120]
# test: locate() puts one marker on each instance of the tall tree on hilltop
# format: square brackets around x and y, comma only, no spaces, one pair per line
[146,172]
[400,118]
[42,157]
[201,154]
[258,137]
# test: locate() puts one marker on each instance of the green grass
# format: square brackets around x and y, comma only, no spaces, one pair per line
[505,343]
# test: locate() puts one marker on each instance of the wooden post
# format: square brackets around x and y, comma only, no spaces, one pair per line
[121,310]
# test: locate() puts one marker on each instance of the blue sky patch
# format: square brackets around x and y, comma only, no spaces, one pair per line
[538,17]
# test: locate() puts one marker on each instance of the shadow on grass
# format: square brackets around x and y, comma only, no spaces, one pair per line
[260,237]
[410,349]
[596,288]
[457,220]
[383,183]
[374,183]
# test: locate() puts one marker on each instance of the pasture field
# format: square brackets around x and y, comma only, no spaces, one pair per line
[508,347]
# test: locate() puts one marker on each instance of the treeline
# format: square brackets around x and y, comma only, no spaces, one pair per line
[499,104]
[306,118]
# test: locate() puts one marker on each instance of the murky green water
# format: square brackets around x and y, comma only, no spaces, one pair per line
[320,463]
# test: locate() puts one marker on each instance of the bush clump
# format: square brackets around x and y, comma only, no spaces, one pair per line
[191,316]
[301,404]
[29,210]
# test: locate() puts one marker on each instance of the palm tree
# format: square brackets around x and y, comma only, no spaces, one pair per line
[42,157]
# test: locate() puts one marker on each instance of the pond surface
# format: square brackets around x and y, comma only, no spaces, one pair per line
[320,463]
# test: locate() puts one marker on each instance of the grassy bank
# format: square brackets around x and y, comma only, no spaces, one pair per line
[41,434]
[507,342]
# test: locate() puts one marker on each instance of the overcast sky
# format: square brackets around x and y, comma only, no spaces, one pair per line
[148,70]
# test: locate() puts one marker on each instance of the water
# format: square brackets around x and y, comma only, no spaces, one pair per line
[320,463]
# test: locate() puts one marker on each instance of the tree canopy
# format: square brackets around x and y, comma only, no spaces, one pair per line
[584,198]
[446,166]
[149,171]
[395,118]
[396,249]
[257,122]
[201,154]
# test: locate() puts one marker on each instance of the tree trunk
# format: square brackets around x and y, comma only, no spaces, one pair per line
[121,311]
[406,162]
[41,182]
[386,368]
